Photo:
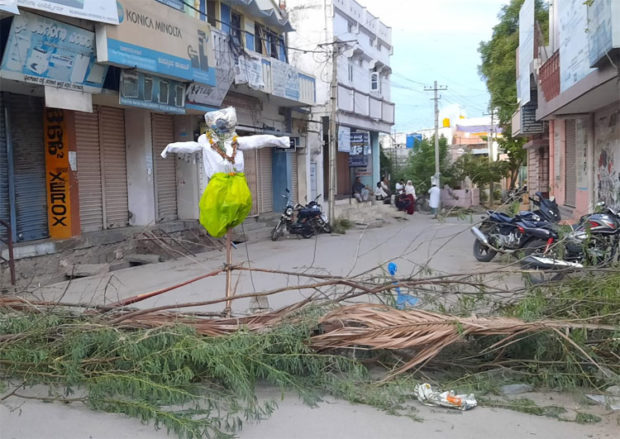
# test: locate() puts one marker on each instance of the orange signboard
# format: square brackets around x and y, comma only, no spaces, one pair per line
[57,174]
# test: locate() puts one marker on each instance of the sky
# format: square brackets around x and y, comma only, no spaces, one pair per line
[436,40]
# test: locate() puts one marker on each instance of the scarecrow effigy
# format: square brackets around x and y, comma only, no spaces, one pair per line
[226,201]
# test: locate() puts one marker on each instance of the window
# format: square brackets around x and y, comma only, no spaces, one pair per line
[211,13]
[350,71]
[375,83]
[235,28]
[273,45]
[259,39]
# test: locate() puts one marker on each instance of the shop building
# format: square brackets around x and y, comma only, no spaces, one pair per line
[89,102]
[364,110]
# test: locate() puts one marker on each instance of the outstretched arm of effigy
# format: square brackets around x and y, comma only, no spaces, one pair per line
[262,141]
[181,148]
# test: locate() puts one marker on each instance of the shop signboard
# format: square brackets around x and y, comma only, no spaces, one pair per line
[249,70]
[43,51]
[152,92]
[57,174]
[526,50]
[574,57]
[155,38]
[9,6]
[285,80]
[103,11]
[344,139]
[358,157]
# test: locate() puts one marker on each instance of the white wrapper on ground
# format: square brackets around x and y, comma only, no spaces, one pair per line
[427,396]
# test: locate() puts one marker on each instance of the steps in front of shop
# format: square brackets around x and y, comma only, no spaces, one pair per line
[367,212]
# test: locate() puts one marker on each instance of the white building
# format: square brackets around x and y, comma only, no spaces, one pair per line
[364,46]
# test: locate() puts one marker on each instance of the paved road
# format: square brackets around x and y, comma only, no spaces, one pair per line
[444,246]
[419,241]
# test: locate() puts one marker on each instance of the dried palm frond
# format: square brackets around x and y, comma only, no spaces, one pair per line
[383,327]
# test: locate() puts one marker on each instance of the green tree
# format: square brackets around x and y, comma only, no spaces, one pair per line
[498,69]
[421,165]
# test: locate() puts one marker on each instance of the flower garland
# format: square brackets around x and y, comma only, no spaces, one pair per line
[219,147]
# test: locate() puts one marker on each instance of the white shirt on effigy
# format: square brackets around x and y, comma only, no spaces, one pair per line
[213,162]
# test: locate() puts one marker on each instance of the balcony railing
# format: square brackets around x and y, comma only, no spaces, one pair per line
[549,75]
[363,104]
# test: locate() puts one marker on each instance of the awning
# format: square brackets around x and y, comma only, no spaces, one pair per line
[265,10]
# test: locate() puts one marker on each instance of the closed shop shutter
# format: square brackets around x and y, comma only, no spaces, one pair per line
[26,124]
[4,173]
[251,176]
[265,180]
[294,186]
[89,171]
[571,165]
[162,127]
[114,166]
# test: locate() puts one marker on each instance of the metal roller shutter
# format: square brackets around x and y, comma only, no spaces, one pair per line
[251,176]
[265,180]
[4,173]
[294,175]
[89,171]
[114,166]
[570,173]
[26,122]
[162,127]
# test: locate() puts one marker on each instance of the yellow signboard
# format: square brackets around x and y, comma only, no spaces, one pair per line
[57,174]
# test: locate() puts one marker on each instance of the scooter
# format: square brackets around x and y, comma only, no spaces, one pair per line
[304,223]
[501,233]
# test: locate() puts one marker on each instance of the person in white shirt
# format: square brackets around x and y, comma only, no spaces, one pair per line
[400,187]
[410,189]
[435,194]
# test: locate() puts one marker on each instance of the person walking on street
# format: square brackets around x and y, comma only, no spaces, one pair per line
[435,194]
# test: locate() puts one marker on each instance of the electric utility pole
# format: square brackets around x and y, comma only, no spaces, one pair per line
[333,133]
[491,132]
[436,98]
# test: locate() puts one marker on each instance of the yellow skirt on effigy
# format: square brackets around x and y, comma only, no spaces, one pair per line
[225,203]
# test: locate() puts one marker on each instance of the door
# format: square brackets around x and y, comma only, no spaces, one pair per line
[294,183]
[570,172]
[4,174]
[251,176]
[114,166]
[26,125]
[266,180]
[162,128]
[89,171]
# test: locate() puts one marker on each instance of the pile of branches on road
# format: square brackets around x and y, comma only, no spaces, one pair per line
[196,374]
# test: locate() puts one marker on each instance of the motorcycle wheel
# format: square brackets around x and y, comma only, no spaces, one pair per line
[483,253]
[307,233]
[277,231]
[322,226]
[536,247]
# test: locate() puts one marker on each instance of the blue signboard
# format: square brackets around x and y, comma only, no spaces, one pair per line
[359,146]
[43,51]
[413,140]
[142,90]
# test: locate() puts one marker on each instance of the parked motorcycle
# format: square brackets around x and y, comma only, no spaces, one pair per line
[297,219]
[594,240]
[320,222]
[501,233]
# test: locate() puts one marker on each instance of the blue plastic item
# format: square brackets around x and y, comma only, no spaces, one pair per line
[402,300]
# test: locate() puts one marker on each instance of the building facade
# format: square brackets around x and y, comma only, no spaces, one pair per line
[570,103]
[363,46]
[89,100]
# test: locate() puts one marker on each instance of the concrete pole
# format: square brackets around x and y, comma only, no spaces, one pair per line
[333,136]
[437,171]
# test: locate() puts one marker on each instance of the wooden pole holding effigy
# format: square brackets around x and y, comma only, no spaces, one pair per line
[228,267]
